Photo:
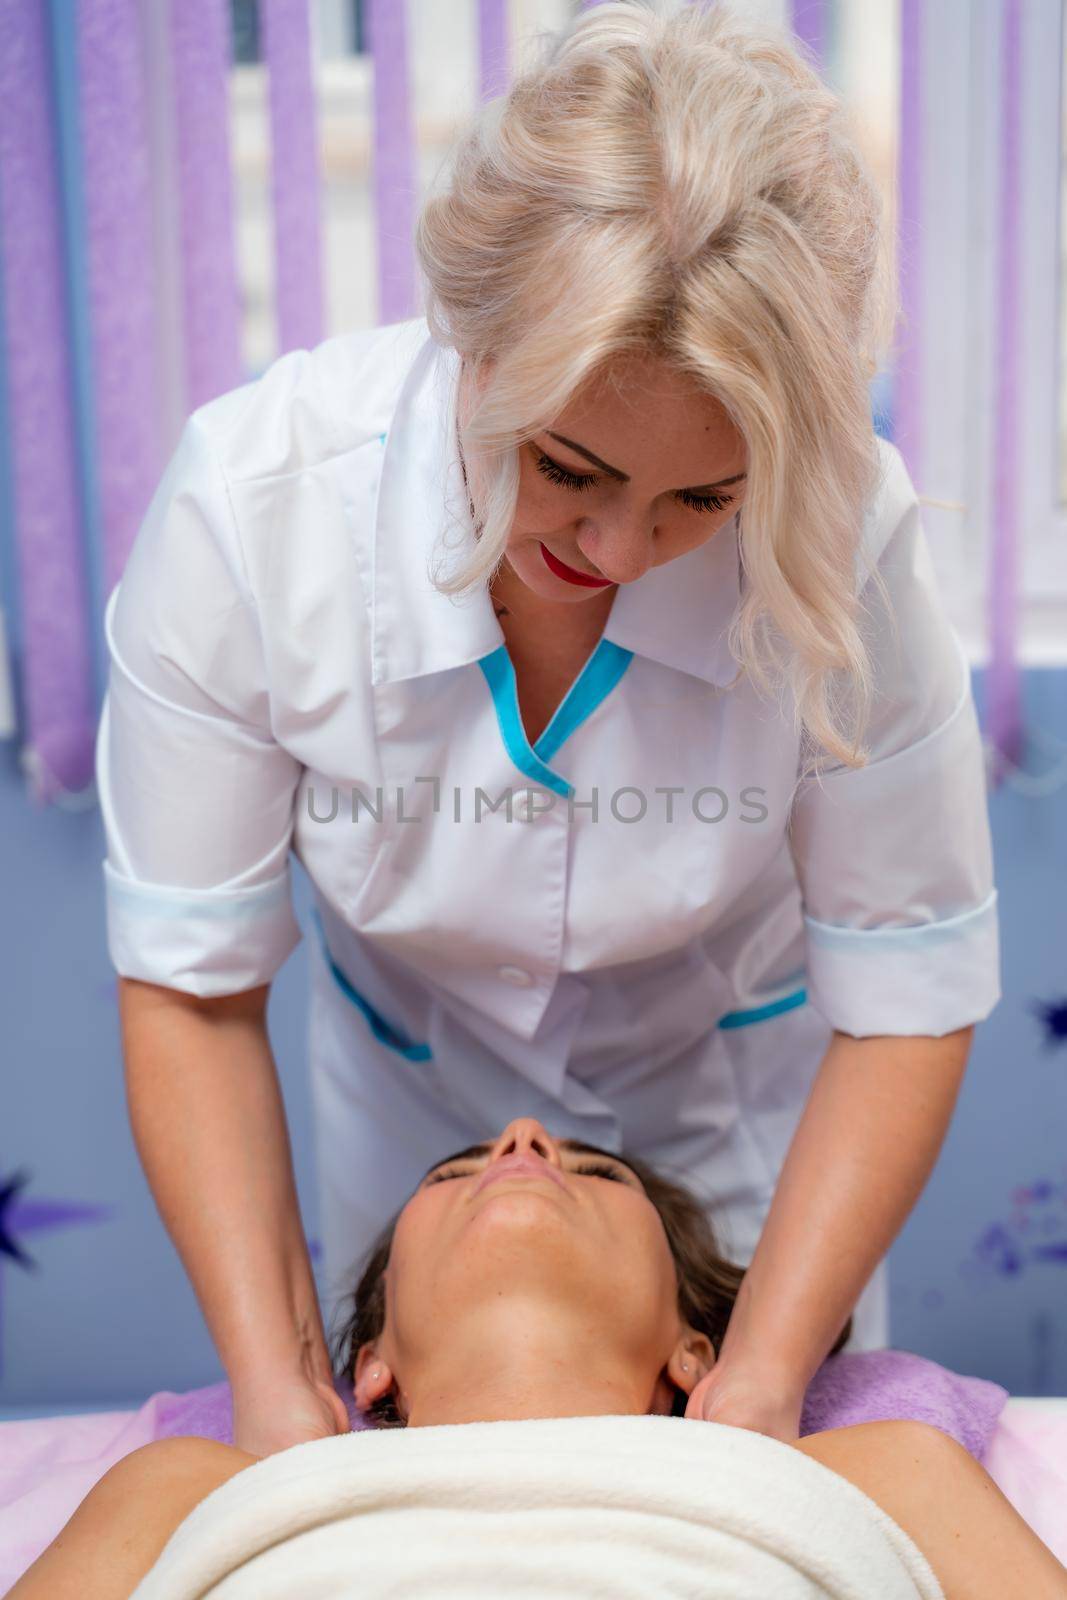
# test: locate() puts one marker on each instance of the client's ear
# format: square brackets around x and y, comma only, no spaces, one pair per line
[373,1377]
[691,1359]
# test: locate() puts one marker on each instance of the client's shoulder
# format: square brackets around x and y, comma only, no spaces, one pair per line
[164,1480]
[186,1453]
[119,1529]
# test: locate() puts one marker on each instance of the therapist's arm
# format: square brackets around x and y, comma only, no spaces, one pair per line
[209,1123]
[866,1142]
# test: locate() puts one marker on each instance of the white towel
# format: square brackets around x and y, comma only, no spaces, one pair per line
[587,1508]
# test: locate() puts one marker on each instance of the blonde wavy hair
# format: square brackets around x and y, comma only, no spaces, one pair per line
[680,181]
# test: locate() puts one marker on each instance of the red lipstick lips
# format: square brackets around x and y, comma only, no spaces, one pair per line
[571,574]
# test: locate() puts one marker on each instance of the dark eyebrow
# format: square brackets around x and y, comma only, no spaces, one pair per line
[624,477]
[576,1146]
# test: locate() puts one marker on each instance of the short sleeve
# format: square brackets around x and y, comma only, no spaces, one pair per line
[196,795]
[894,859]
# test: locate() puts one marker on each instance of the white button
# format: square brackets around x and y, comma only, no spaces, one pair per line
[525,805]
[516,975]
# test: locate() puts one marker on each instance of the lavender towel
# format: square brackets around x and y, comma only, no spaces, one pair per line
[861,1386]
[893,1385]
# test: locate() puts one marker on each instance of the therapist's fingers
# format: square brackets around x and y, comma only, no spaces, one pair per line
[336,1404]
[278,1413]
[741,1398]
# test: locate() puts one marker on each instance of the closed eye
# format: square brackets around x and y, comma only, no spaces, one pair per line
[588,480]
[598,1169]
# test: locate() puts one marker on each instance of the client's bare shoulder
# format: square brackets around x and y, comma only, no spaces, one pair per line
[117,1533]
[978,1545]
[842,1443]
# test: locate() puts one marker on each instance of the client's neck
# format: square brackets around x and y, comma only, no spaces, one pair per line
[529,1377]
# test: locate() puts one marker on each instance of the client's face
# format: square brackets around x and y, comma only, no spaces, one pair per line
[530,1280]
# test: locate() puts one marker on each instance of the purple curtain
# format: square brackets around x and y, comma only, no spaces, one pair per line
[1003,698]
[201,51]
[57,662]
[120,267]
[809,24]
[393,160]
[493,51]
[907,384]
[295,185]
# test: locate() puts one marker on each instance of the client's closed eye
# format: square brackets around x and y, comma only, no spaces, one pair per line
[599,1169]
[602,1170]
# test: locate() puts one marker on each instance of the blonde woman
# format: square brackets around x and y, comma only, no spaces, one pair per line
[528,1331]
[580,639]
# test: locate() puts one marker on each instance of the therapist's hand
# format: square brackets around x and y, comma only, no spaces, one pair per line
[748,1397]
[276,1414]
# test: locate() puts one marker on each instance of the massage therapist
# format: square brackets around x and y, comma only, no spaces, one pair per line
[580,638]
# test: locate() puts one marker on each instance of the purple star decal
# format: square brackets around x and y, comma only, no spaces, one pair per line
[9,1245]
[1053,1015]
[999,1250]
[21,1216]
[1051,1252]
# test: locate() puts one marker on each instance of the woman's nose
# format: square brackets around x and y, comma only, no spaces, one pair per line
[621,551]
[526,1136]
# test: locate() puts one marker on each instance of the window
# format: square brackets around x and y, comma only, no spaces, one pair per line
[958,234]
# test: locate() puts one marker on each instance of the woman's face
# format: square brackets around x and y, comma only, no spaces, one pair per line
[549,1291]
[640,468]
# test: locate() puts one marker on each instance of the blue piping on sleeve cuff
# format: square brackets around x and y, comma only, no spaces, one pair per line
[165,901]
[929,979]
[205,942]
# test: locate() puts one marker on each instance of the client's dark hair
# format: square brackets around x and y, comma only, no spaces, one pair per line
[707,1284]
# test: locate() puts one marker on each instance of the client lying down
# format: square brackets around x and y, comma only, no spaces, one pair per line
[526,1332]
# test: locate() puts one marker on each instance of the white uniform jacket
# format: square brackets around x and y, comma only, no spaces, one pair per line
[640,928]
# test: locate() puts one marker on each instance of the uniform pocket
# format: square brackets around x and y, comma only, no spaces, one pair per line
[382,1029]
[764,1013]
[775,1051]
[385,1031]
